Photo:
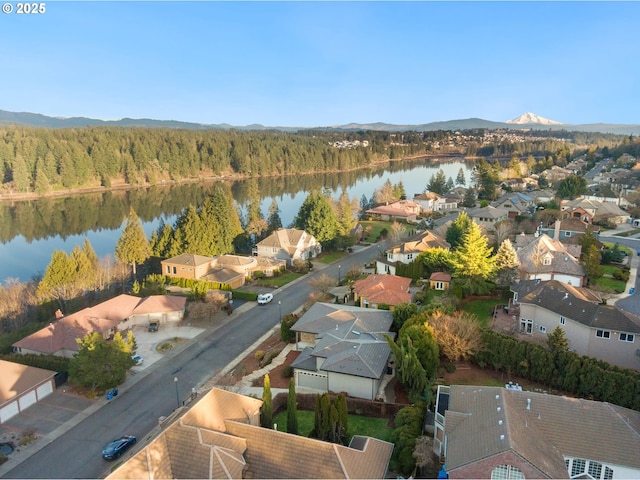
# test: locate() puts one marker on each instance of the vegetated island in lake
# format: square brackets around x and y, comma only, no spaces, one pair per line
[53,162]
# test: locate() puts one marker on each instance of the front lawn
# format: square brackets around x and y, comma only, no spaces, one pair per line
[358,425]
[331,257]
[606,284]
[482,308]
[278,281]
[372,229]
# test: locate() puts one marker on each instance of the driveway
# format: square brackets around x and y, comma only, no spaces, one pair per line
[56,413]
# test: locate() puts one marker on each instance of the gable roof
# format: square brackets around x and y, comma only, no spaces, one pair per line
[216,438]
[487,212]
[389,289]
[62,334]
[579,306]
[440,277]
[17,379]
[541,428]
[421,242]
[289,239]
[326,316]
[562,261]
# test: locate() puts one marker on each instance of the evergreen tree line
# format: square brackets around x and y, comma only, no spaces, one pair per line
[40,160]
[560,368]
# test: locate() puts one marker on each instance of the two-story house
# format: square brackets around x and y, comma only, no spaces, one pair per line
[593,329]
[288,244]
[408,251]
[500,433]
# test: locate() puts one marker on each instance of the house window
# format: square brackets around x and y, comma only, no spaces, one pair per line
[608,473]
[546,260]
[439,286]
[504,472]
[567,234]
[627,337]
[577,467]
[562,320]
[526,325]
[168,269]
[543,329]
[595,469]
[603,334]
[410,256]
[175,270]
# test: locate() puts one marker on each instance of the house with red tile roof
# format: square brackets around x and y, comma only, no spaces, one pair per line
[379,289]
[115,315]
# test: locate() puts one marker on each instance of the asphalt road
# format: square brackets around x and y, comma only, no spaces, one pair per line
[76,454]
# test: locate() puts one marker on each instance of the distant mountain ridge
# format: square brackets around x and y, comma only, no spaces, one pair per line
[536,123]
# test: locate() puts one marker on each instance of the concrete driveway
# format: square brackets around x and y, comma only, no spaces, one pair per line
[58,412]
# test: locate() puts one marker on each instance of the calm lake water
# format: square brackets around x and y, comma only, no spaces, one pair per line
[26,250]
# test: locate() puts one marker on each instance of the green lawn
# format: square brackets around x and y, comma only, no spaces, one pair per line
[331,257]
[358,425]
[278,281]
[606,284]
[609,269]
[481,308]
[628,233]
[627,250]
[373,228]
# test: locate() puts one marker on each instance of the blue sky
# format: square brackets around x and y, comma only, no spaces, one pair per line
[324,63]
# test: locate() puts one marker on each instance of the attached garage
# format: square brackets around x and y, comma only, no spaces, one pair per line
[21,386]
[317,381]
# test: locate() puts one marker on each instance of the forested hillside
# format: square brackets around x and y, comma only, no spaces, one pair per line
[43,160]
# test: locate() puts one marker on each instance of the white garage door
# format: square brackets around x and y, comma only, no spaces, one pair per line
[312,380]
[27,400]
[8,411]
[44,390]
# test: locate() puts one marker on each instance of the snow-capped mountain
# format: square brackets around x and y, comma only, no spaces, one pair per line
[528,117]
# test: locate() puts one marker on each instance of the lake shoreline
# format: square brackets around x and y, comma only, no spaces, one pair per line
[28,196]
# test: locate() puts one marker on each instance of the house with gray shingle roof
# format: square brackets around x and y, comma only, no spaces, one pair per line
[408,251]
[547,259]
[343,349]
[592,329]
[493,432]
[288,244]
[220,437]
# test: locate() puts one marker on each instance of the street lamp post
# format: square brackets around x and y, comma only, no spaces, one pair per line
[175,380]
[280,309]
[338,274]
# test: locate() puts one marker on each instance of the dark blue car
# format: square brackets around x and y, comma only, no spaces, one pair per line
[116,448]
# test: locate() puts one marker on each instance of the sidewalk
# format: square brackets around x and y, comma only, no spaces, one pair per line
[634,262]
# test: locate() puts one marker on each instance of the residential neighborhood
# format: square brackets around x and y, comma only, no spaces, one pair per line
[407,295]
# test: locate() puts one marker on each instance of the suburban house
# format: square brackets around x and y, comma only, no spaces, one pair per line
[500,433]
[487,217]
[516,204]
[229,270]
[568,228]
[439,281]
[288,244]
[401,210]
[380,289]
[547,259]
[591,211]
[408,251]
[431,201]
[115,315]
[220,437]
[593,329]
[343,349]
[21,386]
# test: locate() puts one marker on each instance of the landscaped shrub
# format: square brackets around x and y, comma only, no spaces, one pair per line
[258,274]
[286,335]
[244,295]
[259,355]
[621,275]
[287,371]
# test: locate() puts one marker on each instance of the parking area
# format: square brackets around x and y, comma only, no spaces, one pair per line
[61,406]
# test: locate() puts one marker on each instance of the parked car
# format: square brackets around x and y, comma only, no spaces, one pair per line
[138,359]
[116,448]
[264,298]
[153,326]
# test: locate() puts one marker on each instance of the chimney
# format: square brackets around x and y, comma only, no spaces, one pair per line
[556,230]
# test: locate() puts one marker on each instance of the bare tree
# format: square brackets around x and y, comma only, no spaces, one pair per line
[458,335]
